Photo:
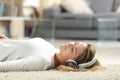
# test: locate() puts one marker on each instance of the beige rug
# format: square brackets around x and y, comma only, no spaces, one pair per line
[111,73]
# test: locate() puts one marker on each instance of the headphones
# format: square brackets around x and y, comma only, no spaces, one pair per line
[73,63]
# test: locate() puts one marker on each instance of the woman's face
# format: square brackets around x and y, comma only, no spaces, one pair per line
[72,50]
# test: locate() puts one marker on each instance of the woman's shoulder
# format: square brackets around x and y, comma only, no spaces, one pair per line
[38,38]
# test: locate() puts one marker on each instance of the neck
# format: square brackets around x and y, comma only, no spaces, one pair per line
[56,61]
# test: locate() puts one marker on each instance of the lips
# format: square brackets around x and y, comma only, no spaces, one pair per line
[64,46]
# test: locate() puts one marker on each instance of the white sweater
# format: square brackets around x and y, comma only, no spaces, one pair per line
[26,55]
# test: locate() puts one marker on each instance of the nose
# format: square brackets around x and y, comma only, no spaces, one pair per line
[71,43]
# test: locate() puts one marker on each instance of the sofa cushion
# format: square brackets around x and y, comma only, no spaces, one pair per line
[76,6]
[101,6]
[74,23]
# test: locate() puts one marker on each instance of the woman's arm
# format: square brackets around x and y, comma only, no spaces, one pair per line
[3,37]
[35,63]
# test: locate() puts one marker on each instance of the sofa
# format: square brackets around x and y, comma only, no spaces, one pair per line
[83,25]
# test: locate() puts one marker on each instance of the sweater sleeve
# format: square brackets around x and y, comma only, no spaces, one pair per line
[31,63]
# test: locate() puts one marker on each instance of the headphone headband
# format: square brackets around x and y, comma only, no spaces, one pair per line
[88,64]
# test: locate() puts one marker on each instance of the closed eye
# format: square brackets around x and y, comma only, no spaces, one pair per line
[72,49]
[75,50]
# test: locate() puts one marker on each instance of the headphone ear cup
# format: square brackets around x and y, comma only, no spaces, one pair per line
[71,63]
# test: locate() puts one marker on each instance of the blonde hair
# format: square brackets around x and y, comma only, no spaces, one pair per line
[87,56]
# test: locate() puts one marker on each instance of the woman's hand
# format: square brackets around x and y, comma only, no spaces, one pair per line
[3,37]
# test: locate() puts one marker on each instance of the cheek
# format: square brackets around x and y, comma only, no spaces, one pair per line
[69,55]
[66,55]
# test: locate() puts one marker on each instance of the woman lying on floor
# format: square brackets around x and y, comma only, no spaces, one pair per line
[37,54]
